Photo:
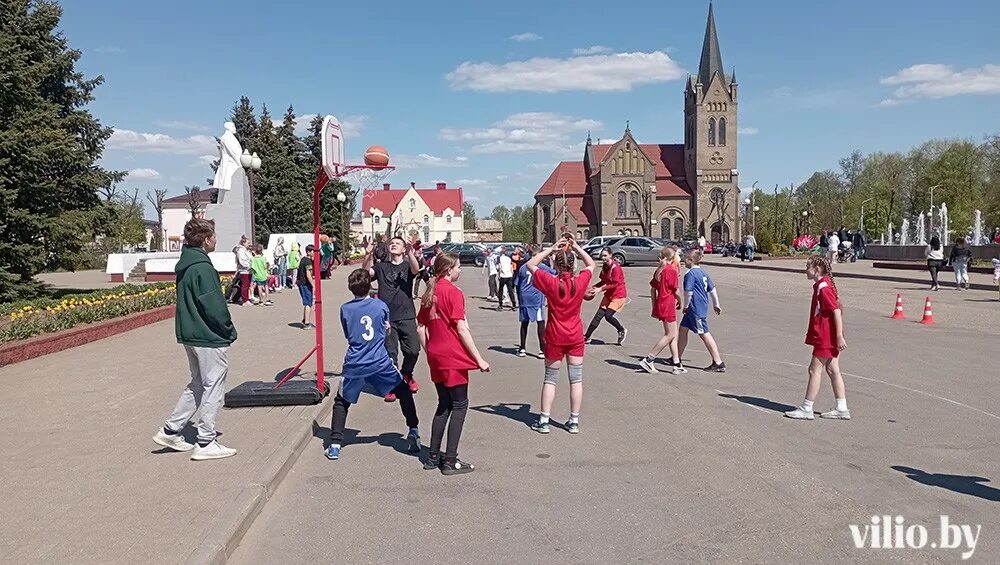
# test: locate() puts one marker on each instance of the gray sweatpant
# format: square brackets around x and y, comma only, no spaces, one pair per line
[209,366]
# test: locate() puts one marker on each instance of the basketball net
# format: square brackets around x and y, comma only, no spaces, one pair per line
[365,179]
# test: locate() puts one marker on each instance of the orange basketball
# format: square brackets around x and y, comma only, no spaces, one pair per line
[376,156]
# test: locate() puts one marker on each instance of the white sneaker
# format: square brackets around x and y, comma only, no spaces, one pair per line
[214,450]
[836,414]
[175,441]
[800,413]
[679,370]
[647,366]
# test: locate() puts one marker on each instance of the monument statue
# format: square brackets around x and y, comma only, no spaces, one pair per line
[232,211]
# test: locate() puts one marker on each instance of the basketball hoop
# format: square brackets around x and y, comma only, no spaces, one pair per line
[366,177]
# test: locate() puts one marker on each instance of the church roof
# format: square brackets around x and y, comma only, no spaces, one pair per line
[711,55]
[582,210]
[437,199]
[568,175]
[572,176]
[668,157]
[203,196]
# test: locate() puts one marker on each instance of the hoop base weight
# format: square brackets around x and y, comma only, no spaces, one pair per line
[263,393]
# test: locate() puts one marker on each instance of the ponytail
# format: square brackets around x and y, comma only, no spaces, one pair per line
[822,262]
[443,264]
[564,262]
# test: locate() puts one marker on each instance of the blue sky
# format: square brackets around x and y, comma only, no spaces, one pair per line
[490,96]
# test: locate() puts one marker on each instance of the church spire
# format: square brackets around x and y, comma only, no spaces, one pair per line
[711,56]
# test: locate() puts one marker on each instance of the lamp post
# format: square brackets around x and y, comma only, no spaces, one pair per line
[805,219]
[930,213]
[861,221]
[341,198]
[371,213]
[251,163]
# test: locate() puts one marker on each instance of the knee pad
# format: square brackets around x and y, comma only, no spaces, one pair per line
[551,374]
[575,374]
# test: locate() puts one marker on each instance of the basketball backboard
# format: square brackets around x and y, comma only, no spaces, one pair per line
[332,145]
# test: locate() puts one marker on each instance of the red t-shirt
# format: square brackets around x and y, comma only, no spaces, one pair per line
[666,301]
[821,332]
[564,326]
[613,279]
[444,348]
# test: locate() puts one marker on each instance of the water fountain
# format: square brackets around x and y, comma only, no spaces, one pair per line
[921,230]
[943,217]
[977,229]
[904,232]
[889,234]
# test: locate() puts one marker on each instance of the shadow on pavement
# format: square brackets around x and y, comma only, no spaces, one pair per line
[982,300]
[514,411]
[760,402]
[394,440]
[502,349]
[624,364]
[961,484]
[296,325]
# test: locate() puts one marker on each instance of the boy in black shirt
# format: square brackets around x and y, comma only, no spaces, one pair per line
[304,278]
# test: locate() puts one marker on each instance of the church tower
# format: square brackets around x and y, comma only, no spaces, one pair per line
[710,127]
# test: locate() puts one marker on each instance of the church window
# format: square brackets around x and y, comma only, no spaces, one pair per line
[546,215]
[427,233]
[711,131]
[635,203]
[413,204]
[678,228]
[622,210]
[427,219]
[377,218]
[722,131]
[447,219]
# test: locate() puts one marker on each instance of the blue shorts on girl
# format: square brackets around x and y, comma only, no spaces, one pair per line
[367,363]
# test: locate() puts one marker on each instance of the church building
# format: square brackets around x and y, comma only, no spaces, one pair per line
[671,191]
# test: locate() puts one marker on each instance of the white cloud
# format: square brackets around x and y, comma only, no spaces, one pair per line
[472,182]
[528,36]
[143,174]
[461,159]
[128,140]
[617,72]
[593,50]
[546,132]
[350,125]
[502,177]
[941,81]
[181,124]
[426,160]
[207,159]
[472,198]
[747,131]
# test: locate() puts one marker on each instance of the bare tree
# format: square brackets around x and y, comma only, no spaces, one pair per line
[194,202]
[156,200]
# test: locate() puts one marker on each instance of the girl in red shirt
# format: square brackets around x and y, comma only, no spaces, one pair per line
[450,355]
[612,284]
[666,298]
[564,294]
[826,335]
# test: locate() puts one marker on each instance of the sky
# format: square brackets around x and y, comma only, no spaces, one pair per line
[490,96]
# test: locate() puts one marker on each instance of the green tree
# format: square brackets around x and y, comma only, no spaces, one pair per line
[49,149]
[246,123]
[502,215]
[468,215]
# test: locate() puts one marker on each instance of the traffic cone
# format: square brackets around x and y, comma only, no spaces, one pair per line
[898,314]
[928,315]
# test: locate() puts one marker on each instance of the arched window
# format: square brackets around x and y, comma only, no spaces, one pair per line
[579,236]
[413,204]
[722,131]
[665,228]
[622,210]
[678,228]
[427,219]
[447,219]
[634,211]
[427,233]
[711,131]
[546,214]
[620,232]
[377,219]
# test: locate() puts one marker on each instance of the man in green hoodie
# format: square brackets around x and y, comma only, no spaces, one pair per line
[205,329]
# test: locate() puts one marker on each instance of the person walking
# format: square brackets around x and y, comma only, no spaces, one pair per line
[490,269]
[259,268]
[666,299]
[935,259]
[834,243]
[961,256]
[293,263]
[281,261]
[505,274]
[202,324]
[612,284]
[750,243]
[243,262]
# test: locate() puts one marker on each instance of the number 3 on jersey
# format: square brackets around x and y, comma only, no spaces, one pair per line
[366,321]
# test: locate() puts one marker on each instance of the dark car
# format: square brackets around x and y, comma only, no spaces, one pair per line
[468,253]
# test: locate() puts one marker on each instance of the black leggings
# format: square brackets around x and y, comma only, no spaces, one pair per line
[541,334]
[606,314]
[934,265]
[403,335]
[507,283]
[453,402]
[341,406]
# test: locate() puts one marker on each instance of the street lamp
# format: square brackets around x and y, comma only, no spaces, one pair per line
[371,213]
[861,221]
[251,163]
[343,234]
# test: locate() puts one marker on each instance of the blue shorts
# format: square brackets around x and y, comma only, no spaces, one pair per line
[695,323]
[381,375]
[260,281]
[306,292]
[531,314]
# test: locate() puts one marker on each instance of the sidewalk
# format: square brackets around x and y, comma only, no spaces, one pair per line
[83,482]
[860,270]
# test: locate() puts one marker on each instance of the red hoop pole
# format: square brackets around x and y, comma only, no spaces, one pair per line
[291,372]
[321,180]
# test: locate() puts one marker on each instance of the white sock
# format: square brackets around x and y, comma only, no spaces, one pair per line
[574,418]
[842,404]
[337,445]
[543,418]
[807,405]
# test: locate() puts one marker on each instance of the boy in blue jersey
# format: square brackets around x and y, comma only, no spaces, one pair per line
[366,322]
[532,307]
[698,286]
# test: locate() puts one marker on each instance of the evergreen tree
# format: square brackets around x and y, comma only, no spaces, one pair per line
[49,148]
[246,123]
[468,215]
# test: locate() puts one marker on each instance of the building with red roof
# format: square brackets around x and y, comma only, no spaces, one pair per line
[661,190]
[427,214]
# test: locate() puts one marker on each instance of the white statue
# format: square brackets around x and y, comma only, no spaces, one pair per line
[229,163]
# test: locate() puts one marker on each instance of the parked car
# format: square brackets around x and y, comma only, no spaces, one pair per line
[631,250]
[468,253]
[599,240]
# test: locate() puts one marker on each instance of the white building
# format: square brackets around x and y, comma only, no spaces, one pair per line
[429,214]
[176,213]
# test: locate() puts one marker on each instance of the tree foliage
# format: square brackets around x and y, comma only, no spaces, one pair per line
[49,149]
[517,222]
[468,215]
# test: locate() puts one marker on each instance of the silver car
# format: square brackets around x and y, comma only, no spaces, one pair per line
[631,250]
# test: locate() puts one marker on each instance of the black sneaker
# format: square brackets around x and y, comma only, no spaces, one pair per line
[433,462]
[716,367]
[622,335]
[456,467]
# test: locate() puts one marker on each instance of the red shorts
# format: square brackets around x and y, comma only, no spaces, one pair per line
[557,352]
[450,377]
[666,315]
[826,352]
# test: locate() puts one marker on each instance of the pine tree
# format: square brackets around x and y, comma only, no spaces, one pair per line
[49,148]
[246,123]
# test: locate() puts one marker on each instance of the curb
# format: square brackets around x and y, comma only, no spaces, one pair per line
[975,286]
[37,346]
[239,514]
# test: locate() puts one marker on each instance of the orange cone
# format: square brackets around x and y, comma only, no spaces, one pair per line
[928,315]
[898,312]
